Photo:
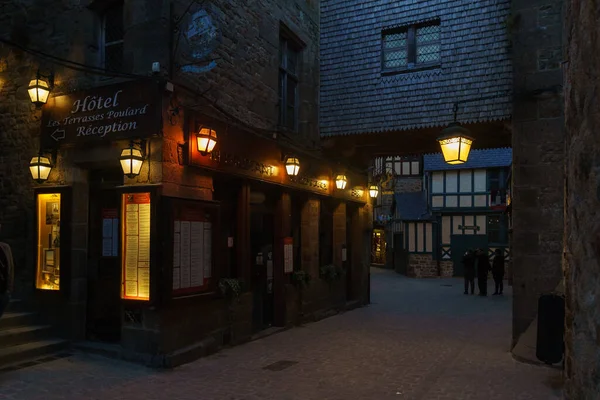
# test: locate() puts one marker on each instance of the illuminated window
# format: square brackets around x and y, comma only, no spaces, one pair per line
[48,241]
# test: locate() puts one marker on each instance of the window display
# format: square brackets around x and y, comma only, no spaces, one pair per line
[48,241]
[135,282]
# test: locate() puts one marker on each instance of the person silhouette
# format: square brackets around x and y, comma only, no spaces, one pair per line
[469,264]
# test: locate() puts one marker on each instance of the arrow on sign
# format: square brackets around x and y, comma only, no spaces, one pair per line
[58,134]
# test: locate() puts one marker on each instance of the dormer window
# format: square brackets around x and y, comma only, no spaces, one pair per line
[411,47]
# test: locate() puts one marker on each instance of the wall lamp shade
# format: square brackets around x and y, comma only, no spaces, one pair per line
[455,143]
[40,168]
[373,191]
[292,166]
[39,90]
[207,140]
[131,161]
[341,181]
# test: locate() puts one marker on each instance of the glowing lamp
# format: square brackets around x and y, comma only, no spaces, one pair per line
[455,143]
[40,168]
[131,161]
[341,182]
[373,191]
[207,139]
[39,90]
[292,166]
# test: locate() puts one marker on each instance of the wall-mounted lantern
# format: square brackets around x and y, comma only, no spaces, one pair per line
[207,140]
[40,167]
[131,160]
[292,166]
[341,181]
[373,191]
[39,89]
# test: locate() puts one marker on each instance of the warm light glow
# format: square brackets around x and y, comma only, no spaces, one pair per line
[455,144]
[39,90]
[341,182]
[40,168]
[324,182]
[292,166]
[207,139]
[131,161]
[373,191]
[48,241]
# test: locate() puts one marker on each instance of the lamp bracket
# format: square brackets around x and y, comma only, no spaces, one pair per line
[140,143]
[49,76]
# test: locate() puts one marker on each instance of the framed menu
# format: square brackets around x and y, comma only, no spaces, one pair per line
[135,278]
[192,225]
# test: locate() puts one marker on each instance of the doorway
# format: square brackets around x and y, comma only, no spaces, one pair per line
[378,247]
[460,244]
[262,226]
[103,322]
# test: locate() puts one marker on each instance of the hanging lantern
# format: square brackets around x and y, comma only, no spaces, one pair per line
[207,139]
[341,181]
[373,191]
[39,90]
[131,161]
[455,143]
[292,166]
[40,168]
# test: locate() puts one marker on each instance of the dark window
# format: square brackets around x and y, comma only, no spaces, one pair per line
[112,37]
[496,229]
[288,84]
[411,46]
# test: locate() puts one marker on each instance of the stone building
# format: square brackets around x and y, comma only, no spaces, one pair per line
[174,131]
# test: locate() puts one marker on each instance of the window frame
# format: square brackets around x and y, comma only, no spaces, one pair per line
[390,163]
[104,44]
[287,44]
[411,47]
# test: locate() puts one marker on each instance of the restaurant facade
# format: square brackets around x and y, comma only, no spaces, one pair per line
[167,224]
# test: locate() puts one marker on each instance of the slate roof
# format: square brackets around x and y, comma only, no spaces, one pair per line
[412,206]
[485,158]
[356,98]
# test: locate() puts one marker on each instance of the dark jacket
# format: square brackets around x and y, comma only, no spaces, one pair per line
[498,265]
[483,264]
[469,263]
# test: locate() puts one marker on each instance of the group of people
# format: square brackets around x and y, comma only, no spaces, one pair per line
[476,262]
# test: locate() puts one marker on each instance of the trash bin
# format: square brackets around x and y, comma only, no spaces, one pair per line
[550,344]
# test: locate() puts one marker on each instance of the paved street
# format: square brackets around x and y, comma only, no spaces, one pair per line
[420,339]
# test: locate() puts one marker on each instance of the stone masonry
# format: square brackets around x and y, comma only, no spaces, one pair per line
[538,155]
[424,266]
[582,228]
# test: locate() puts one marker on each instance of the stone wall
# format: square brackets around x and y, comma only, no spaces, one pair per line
[538,155]
[422,266]
[582,229]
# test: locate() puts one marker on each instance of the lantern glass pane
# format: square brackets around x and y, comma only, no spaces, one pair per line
[207,140]
[340,182]
[40,168]
[38,91]
[131,161]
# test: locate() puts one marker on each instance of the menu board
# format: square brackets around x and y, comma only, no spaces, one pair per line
[192,249]
[136,246]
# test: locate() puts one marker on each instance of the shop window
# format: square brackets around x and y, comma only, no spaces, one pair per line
[193,230]
[135,245]
[48,241]
[113,33]
[289,56]
[411,46]
[496,229]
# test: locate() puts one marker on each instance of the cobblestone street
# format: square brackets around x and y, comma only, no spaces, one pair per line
[420,339]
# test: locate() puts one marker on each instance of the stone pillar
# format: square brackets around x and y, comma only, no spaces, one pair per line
[309,233]
[243,234]
[339,233]
[538,155]
[582,229]
[283,229]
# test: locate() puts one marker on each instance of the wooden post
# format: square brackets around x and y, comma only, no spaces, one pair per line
[243,235]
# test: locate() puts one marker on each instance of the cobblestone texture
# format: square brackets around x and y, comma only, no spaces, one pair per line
[420,339]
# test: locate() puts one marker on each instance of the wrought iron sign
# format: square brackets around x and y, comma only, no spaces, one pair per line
[242,163]
[358,193]
[311,182]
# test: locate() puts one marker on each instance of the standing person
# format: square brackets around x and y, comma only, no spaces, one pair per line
[498,271]
[469,263]
[6,276]
[483,267]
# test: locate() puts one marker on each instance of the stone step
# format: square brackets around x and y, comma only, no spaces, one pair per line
[14,319]
[22,334]
[15,354]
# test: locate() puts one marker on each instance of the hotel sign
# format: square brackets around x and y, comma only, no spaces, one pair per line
[122,111]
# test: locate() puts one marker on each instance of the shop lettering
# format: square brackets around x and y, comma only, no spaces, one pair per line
[315,183]
[103,130]
[242,163]
[94,103]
